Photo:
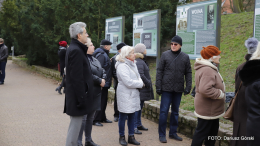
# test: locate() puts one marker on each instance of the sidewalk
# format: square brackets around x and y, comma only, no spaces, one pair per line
[31,114]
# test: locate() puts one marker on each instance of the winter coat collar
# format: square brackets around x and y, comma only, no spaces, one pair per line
[250,72]
[61,47]
[82,46]
[139,55]
[126,61]
[176,52]
[106,51]
[200,62]
[2,45]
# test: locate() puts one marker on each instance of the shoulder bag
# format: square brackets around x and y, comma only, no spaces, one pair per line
[229,113]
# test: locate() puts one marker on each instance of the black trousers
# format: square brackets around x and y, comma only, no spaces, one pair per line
[116,112]
[101,115]
[205,130]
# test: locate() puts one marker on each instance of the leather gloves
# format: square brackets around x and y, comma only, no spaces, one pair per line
[186,92]
[159,91]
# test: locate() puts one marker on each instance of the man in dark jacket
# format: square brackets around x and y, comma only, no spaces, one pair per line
[79,82]
[115,82]
[102,55]
[3,60]
[173,67]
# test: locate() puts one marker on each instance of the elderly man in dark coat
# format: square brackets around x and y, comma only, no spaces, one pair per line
[102,55]
[174,66]
[79,82]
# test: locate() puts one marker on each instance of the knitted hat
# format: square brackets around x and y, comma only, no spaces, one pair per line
[209,51]
[63,43]
[251,45]
[105,42]
[177,39]
[140,48]
[119,46]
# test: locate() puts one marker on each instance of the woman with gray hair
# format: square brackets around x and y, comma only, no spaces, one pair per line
[128,98]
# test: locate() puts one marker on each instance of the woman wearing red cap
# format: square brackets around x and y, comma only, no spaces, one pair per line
[210,96]
[62,54]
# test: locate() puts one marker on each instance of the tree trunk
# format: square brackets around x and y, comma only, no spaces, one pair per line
[237,6]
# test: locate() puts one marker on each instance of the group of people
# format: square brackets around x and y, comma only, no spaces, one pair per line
[88,74]
[3,60]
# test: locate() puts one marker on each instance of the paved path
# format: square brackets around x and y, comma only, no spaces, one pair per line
[31,115]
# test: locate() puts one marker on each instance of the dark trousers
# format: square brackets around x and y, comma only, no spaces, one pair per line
[86,127]
[167,99]
[205,130]
[2,68]
[116,112]
[101,115]
[130,123]
[138,114]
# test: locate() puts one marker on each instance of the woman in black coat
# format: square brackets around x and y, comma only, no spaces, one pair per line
[146,93]
[250,76]
[98,75]
[62,54]
[240,106]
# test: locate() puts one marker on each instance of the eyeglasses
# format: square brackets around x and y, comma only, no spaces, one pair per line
[174,44]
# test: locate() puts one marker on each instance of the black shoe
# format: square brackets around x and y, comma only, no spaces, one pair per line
[137,131]
[97,124]
[142,128]
[58,89]
[131,139]
[1,83]
[116,119]
[162,139]
[107,121]
[122,140]
[90,143]
[176,137]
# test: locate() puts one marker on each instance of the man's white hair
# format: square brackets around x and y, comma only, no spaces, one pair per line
[125,52]
[76,28]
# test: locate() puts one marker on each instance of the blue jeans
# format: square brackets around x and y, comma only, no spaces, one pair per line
[2,68]
[130,123]
[168,98]
[138,121]
[87,122]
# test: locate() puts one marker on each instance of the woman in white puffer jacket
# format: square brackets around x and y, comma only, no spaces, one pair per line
[128,99]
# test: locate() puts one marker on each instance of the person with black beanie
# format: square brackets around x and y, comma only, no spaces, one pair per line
[174,68]
[115,81]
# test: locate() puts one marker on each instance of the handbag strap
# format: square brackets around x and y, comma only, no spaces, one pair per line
[238,90]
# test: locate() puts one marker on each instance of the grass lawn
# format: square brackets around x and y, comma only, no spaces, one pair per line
[235,29]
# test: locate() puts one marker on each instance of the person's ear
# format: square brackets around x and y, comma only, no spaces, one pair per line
[79,36]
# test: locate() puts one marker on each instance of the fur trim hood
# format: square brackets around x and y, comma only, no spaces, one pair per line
[200,62]
[139,55]
[250,72]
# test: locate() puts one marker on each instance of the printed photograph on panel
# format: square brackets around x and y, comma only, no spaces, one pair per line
[182,24]
[108,37]
[147,40]
[115,39]
[137,38]
[139,22]
[210,14]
